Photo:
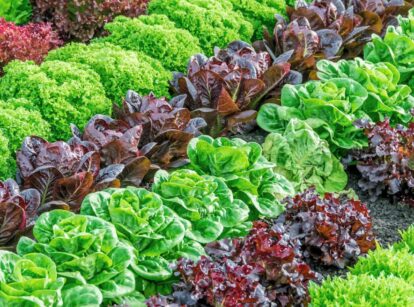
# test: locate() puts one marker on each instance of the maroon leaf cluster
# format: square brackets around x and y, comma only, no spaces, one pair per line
[387,164]
[227,88]
[167,126]
[260,270]
[332,230]
[29,42]
[81,20]
[326,29]
[63,173]
[18,210]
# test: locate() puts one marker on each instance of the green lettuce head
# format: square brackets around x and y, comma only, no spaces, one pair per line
[206,202]
[244,169]
[87,252]
[304,158]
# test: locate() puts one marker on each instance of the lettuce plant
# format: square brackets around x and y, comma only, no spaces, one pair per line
[87,251]
[332,230]
[17,11]
[362,290]
[226,89]
[18,210]
[407,240]
[82,20]
[386,164]
[156,36]
[386,98]
[304,158]
[214,23]
[329,107]
[62,92]
[7,169]
[30,280]
[261,269]
[324,29]
[119,69]
[30,42]
[155,232]
[245,171]
[396,48]
[64,173]
[206,202]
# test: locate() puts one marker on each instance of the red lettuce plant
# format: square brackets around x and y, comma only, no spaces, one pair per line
[387,164]
[18,210]
[326,29]
[227,88]
[332,230]
[82,20]
[63,173]
[30,42]
[263,268]
[167,126]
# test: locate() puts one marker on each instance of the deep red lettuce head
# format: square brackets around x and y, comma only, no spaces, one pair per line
[18,210]
[63,173]
[386,165]
[227,88]
[332,230]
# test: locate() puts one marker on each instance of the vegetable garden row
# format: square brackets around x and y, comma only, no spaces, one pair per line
[126,177]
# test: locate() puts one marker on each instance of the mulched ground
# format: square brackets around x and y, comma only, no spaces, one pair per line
[389,216]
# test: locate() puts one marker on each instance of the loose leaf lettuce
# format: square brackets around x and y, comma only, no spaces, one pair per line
[329,107]
[303,158]
[205,201]
[17,11]
[386,98]
[86,251]
[246,172]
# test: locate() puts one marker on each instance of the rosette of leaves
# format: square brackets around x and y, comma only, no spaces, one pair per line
[63,173]
[396,48]
[156,36]
[227,88]
[332,230]
[18,210]
[329,107]
[386,164]
[87,252]
[262,269]
[206,202]
[362,290]
[30,280]
[30,42]
[304,159]
[325,29]
[156,233]
[386,98]
[244,169]
[167,126]
[119,69]
[18,11]
[63,93]
[81,20]
[214,23]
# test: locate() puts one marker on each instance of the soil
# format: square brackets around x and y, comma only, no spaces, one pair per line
[389,216]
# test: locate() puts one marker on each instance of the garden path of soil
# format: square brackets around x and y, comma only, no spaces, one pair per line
[388,216]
